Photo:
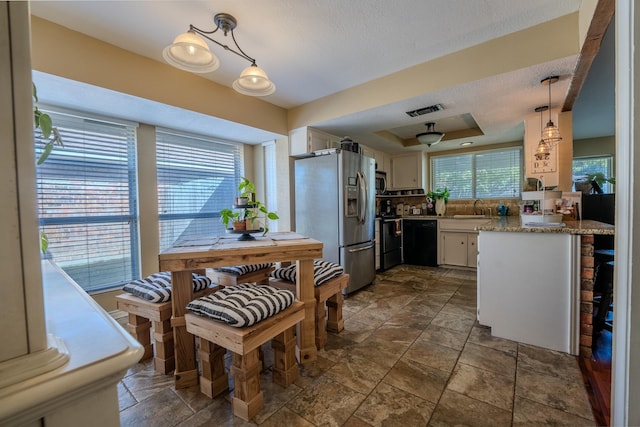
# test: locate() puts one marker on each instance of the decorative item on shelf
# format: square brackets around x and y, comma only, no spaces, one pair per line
[502,209]
[249,217]
[190,52]
[551,133]
[441,197]
[430,137]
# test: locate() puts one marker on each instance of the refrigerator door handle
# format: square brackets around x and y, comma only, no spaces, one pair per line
[362,186]
[360,249]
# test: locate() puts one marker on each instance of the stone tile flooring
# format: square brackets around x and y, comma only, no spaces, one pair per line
[411,355]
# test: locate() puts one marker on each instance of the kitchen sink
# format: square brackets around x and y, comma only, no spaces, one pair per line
[468,216]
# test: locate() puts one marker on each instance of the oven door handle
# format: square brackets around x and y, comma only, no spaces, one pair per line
[360,249]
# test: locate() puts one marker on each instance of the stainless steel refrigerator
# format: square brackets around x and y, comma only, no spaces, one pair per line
[335,203]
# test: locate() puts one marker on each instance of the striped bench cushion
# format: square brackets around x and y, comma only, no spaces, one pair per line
[239,270]
[243,304]
[157,286]
[323,271]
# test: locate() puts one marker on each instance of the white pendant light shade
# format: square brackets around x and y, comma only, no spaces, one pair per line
[430,137]
[253,81]
[190,52]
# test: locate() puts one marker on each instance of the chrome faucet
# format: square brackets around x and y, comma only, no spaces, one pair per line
[475,211]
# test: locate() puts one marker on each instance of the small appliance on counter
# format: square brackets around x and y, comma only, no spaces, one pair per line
[540,207]
[400,209]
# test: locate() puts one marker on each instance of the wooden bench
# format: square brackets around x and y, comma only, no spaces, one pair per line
[260,277]
[329,301]
[142,314]
[216,336]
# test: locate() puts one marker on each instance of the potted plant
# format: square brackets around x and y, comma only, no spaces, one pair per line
[599,179]
[229,216]
[253,213]
[247,192]
[440,197]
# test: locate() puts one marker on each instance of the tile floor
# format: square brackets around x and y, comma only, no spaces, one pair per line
[411,355]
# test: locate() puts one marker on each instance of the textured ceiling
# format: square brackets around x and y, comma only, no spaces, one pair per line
[315,48]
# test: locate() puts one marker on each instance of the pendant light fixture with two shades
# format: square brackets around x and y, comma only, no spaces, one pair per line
[190,52]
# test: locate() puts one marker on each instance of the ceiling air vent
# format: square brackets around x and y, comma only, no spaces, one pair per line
[425,110]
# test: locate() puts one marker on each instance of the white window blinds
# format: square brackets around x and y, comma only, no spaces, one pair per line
[197,177]
[584,166]
[87,200]
[484,174]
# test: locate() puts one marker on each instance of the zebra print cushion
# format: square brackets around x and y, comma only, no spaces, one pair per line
[157,287]
[323,271]
[239,270]
[243,304]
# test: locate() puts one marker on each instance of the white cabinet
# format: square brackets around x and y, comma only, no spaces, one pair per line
[307,140]
[529,288]
[459,248]
[406,171]
[458,242]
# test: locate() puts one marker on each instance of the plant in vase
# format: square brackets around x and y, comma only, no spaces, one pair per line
[252,213]
[229,216]
[440,197]
[247,192]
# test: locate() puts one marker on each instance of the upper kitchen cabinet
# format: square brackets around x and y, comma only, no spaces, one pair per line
[383,160]
[303,141]
[407,171]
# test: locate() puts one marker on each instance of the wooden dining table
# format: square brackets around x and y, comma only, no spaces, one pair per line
[195,254]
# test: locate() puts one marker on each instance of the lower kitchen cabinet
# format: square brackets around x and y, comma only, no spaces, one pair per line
[459,243]
[454,248]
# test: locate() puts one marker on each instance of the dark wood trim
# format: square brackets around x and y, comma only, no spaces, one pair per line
[601,19]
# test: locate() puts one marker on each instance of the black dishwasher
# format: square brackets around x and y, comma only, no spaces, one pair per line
[420,242]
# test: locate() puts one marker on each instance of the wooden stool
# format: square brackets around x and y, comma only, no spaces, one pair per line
[141,313]
[329,301]
[260,277]
[216,336]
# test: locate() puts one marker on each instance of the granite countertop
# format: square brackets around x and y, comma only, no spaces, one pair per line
[514,224]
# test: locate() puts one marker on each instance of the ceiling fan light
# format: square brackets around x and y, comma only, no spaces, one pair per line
[253,81]
[430,137]
[189,52]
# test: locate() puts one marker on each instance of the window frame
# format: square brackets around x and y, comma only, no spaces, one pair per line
[433,158]
[175,137]
[89,127]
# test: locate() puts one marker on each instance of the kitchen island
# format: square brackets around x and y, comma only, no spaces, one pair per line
[535,284]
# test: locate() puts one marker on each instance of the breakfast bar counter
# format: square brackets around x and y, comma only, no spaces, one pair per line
[515,224]
[533,281]
[194,254]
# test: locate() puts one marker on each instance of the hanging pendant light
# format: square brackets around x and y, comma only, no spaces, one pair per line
[430,137]
[190,52]
[543,147]
[551,133]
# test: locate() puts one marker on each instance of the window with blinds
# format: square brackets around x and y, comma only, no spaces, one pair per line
[87,200]
[483,174]
[197,177]
[582,167]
